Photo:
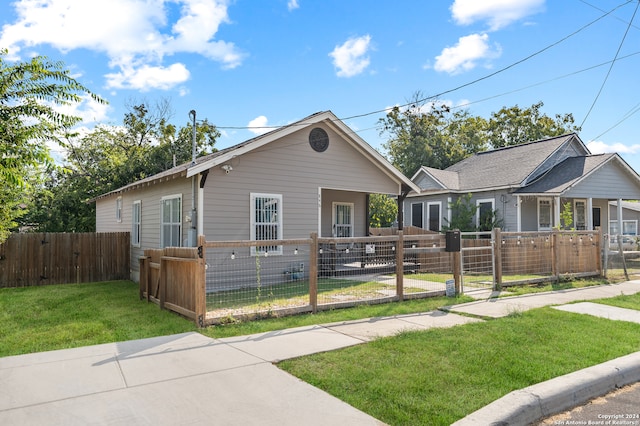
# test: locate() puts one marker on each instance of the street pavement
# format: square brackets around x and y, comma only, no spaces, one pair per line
[620,407]
[192,379]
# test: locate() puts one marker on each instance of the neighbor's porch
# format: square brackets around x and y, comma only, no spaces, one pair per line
[545,213]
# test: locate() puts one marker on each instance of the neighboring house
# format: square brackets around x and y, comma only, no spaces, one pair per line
[314,175]
[528,186]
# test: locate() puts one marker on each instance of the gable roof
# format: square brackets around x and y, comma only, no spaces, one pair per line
[508,167]
[568,173]
[221,157]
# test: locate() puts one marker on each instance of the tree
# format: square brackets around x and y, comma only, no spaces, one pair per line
[430,135]
[513,126]
[383,211]
[110,157]
[30,92]
[463,215]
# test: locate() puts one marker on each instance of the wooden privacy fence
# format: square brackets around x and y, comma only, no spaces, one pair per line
[34,259]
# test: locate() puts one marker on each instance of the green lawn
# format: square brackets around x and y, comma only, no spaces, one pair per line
[438,376]
[429,377]
[34,319]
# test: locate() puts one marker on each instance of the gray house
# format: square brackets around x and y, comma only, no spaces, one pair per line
[528,186]
[314,175]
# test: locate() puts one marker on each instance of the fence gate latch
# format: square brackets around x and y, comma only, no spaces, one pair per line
[200,252]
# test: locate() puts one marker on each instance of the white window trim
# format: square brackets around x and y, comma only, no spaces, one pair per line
[623,222]
[412,204]
[162,200]
[119,209]
[133,223]
[550,200]
[575,213]
[483,201]
[252,213]
[333,216]
[439,204]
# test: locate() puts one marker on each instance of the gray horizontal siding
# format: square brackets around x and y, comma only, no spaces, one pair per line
[609,182]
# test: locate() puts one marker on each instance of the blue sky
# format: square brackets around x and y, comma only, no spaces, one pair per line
[243,63]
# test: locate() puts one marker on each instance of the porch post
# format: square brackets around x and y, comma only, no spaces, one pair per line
[589,213]
[400,213]
[556,211]
[518,215]
[449,210]
[619,216]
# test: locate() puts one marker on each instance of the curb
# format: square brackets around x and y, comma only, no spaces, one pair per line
[536,402]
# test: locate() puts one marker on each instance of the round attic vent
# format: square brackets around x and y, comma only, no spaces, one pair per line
[319,139]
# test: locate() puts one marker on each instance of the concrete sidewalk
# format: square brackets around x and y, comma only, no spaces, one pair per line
[190,378]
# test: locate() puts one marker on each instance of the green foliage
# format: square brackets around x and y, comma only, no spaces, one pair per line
[30,94]
[566,216]
[110,157]
[463,216]
[513,126]
[433,135]
[463,213]
[430,135]
[383,211]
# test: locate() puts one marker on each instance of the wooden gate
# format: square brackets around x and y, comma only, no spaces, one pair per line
[174,278]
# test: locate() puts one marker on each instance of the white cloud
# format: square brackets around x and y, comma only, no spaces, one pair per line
[258,125]
[465,55]
[132,33]
[497,13]
[599,147]
[292,4]
[89,110]
[350,58]
[146,77]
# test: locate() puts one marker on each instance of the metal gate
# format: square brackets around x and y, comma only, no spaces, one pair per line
[478,260]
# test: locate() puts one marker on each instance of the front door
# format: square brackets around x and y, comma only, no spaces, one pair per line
[343,220]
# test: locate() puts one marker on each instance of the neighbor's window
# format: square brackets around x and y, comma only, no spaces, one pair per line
[484,214]
[343,219]
[136,216]
[544,214]
[629,227]
[171,227]
[266,221]
[433,216]
[119,209]
[580,215]
[416,215]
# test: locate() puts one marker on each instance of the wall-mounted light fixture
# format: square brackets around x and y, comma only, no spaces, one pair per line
[227,168]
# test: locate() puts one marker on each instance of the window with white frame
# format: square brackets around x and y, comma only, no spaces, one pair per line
[484,214]
[417,215]
[580,215]
[343,220]
[544,214]
[136,219]
[629,227]
[119,209]
[171,226]
[434,217]
[266,221]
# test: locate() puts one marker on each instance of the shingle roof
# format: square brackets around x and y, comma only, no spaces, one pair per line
[447,178]
[508,166]
[565,174]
